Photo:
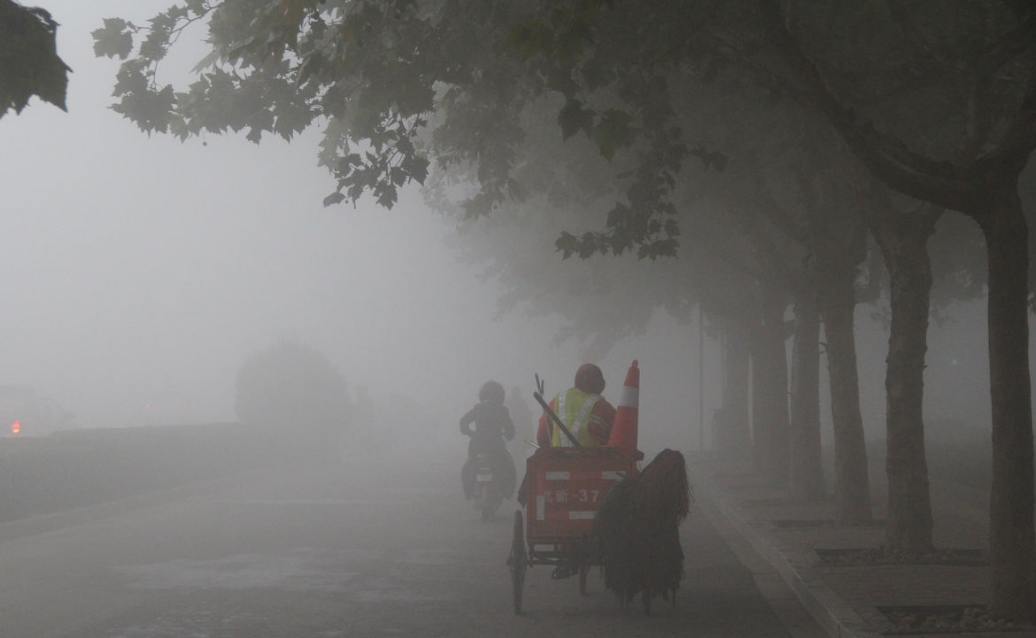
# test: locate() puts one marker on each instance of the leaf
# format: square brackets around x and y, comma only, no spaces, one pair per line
[572,43]
[387,196]
[597,72]
[130,79]
[417,168]
[334,198]
[711,159]
[114,39]
[561,81]
[573,118]
[565,244]
[479,205]
[255,134]
[613,132]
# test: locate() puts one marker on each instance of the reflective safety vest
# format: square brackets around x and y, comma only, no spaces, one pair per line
[573,407]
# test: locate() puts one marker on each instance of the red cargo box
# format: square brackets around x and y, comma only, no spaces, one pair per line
[566,486]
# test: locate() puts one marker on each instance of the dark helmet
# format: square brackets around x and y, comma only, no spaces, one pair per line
[589,378]
[492,391]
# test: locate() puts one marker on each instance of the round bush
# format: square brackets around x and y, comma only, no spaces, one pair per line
[294,388]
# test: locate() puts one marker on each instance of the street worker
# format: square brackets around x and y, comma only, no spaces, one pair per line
[586,414]
[492,425]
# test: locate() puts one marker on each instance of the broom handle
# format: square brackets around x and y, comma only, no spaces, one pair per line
[554,417]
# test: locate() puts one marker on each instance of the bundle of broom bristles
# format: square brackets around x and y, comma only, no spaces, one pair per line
[636,537]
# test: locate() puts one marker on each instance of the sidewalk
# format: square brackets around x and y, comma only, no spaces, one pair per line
[853,598]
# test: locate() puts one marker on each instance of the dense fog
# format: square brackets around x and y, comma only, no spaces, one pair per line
[141,272]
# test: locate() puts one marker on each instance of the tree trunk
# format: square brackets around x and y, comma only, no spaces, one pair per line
[1011,533]
[733,437]
[852,486]
[806,475]
[770,389]
[903,240]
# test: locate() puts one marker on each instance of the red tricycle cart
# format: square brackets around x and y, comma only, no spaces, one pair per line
[564,489]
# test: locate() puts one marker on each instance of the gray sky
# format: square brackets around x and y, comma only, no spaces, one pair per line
[141,270]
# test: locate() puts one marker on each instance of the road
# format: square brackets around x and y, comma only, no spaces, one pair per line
[332,551]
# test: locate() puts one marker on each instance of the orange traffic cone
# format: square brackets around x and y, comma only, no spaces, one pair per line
[624,429]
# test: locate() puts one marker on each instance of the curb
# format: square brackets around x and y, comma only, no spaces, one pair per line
[834,615]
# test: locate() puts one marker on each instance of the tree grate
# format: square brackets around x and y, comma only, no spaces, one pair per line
[944,619]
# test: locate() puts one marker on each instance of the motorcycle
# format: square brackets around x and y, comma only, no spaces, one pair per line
[488,492]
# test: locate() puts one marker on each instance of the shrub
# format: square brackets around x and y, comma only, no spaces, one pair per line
[292,388]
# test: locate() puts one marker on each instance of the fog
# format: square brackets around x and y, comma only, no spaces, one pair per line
[142,272]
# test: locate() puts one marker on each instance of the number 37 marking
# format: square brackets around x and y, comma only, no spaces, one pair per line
[588,496]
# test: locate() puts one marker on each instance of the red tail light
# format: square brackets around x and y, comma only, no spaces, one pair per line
[16,427]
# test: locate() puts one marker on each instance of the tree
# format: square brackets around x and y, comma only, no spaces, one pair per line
[903,239]
[805,228]
[29,63]
[292,389]
[976,173]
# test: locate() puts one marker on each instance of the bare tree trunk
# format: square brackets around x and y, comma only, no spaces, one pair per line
[1011,533]
[852,486]
[903,238]
[770,389]
[806,475]
[733,437]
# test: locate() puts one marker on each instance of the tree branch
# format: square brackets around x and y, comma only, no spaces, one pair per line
[889,158]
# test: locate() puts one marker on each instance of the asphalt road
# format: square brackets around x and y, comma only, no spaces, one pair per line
[332,551]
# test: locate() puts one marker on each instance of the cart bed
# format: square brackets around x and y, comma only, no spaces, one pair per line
[566,486]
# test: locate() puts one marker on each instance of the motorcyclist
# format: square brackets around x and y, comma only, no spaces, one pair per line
[492,424]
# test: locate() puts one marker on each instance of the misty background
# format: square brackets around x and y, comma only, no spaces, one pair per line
[139,274]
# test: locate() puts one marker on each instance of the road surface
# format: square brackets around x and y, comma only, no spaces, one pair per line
[333,551]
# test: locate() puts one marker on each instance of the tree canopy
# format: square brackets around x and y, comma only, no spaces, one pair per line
[399,85]
[406,87]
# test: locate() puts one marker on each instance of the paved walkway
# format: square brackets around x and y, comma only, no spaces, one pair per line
[851,601]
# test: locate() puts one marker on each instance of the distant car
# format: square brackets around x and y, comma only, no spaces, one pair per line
[167,412]
[23,413]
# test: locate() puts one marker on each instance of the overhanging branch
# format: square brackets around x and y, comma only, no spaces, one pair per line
[906,171]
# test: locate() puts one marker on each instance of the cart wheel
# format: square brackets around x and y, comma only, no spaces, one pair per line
[584,570]
[517,561]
